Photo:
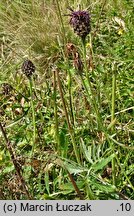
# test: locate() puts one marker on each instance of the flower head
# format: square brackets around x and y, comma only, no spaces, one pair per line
[77,62]
[6,89]
[28,68]
[80,21]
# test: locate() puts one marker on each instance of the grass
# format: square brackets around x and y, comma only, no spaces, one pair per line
[71,133]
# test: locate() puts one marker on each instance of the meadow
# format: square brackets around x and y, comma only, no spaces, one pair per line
[66,99]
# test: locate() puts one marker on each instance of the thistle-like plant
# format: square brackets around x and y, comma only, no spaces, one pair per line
[28,68]
[80,21]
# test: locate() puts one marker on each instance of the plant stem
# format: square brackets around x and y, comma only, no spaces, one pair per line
[113,97]
[70,96]
[34,128]
[85,86]
[67,119]
[66,60]
[84,56]
[92,98]
[55,114]
[112,119]
[61,21]
[61,163]
[75,186]
[33,116]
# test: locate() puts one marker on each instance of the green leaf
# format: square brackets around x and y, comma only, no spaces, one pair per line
[7,170]
[130,170]
[46,178]
[73,167]
[76,170]
[68,187]
[87,153]
[102,163]
[107,188]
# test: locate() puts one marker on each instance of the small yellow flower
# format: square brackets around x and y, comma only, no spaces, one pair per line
[120,31]
[88,45]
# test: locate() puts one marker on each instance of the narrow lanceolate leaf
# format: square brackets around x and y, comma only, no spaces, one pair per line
[7,170]
[75,169]
[86,152]
[102,163]
[107,188]
[47,182]
[72,167]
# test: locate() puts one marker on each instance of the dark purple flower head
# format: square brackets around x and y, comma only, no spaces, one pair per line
[80,21]
[7,89]
[28,68]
